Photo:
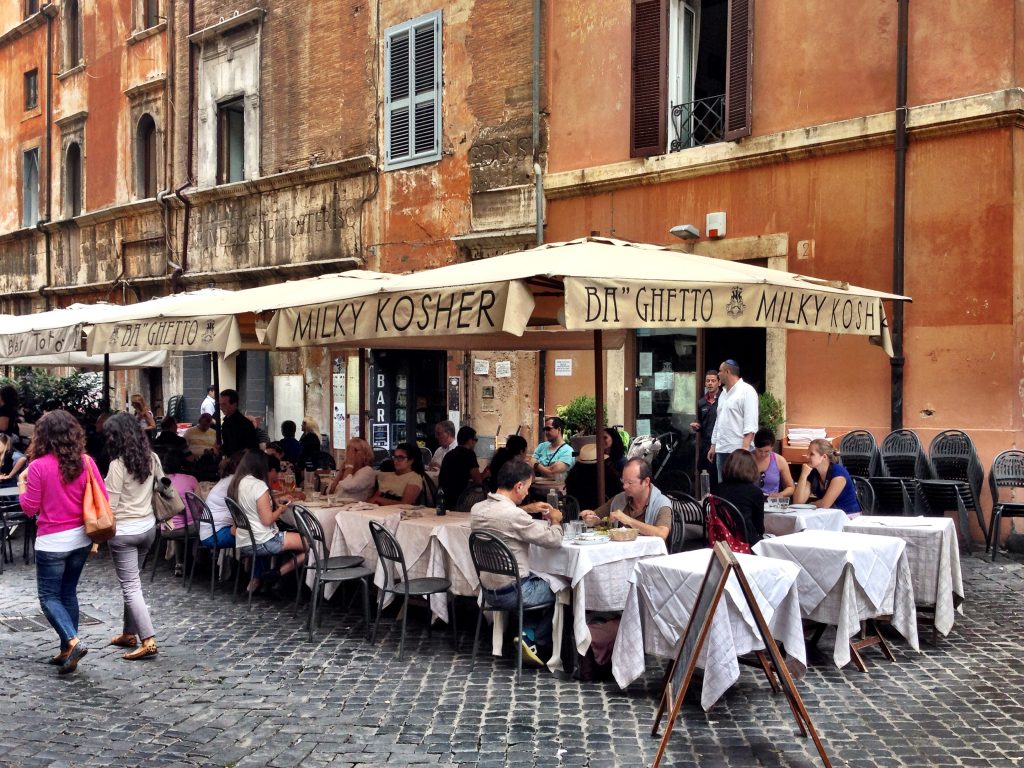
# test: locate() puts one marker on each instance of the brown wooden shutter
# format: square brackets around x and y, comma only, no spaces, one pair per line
[739,55]
[648,129]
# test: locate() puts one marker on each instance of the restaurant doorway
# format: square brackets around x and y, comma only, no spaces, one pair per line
[666,401]
[408,396]
[744,345]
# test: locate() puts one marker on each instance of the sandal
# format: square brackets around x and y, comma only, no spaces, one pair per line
[144,651]
[125,640]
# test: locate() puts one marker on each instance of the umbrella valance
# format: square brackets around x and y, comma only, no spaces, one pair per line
[125,360]
[44,333]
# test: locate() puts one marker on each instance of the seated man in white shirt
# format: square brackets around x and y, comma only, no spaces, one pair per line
[444,431]
[501,514]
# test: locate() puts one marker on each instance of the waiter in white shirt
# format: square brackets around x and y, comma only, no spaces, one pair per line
[210,403]
[737,416]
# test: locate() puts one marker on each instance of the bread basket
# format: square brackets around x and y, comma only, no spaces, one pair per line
[622,534]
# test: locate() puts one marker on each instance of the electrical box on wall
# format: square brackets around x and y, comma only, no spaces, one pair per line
[714,224]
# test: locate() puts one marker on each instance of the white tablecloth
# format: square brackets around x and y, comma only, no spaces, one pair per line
[848,577]
[663,591]
[796,520]
[351,533]
[934,560]
[595,575]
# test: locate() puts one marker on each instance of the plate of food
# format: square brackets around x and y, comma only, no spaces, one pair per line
[586,539]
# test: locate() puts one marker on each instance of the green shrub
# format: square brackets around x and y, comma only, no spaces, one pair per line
[771,412]
[580,416]
[40,391]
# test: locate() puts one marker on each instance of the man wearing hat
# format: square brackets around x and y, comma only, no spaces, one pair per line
[581,481]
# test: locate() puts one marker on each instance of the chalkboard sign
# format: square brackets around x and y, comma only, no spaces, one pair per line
[722,565]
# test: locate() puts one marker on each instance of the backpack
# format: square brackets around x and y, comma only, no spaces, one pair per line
[722,527]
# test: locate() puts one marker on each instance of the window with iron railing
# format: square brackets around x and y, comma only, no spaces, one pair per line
[698,123]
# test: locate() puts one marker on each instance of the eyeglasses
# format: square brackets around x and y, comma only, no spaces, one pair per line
[400,457]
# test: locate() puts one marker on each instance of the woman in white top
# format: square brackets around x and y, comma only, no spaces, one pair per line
[249,489]
[221,532]
[405,484]
[356,479]
[133,468]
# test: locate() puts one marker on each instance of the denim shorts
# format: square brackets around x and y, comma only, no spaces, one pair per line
[273,546]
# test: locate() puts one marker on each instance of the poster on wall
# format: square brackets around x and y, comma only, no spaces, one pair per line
[338,392]
[481,367]
[353,425]
[563,367]
[644,406]
[503,369]
[381,436]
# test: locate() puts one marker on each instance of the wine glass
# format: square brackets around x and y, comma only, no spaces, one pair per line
[288,481]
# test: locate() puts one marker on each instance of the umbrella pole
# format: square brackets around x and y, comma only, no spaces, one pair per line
[599,410]
[362,392]
[216,391]
[105,400]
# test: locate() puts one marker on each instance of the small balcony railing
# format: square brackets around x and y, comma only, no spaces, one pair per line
[697,123]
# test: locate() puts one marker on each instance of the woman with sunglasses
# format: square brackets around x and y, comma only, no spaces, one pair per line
[405,484]
[775,478]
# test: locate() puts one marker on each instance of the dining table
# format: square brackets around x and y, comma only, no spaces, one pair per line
[847,578]
[800,517]
[934,559]
[662,593]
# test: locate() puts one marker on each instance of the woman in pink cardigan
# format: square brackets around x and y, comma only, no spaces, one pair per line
[54,487]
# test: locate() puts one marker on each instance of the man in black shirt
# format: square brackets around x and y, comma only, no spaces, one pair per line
[459,468]
[237,433]
[707,413]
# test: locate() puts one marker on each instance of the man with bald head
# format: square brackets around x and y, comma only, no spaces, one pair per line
[736,421]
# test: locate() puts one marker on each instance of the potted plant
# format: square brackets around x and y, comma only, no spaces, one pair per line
[771,413]
[580,417]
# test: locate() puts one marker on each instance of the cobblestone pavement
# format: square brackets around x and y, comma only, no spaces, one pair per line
[236,688]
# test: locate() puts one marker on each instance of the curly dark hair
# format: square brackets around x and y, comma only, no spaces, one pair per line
[126,441]
[59,433]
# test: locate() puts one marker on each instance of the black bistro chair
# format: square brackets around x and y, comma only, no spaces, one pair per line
[202,514]
[241,523]
[859,453]
[470,496]
[1007,472]
[186,534]
[492,556]
[901,455]
[689,527]
[13,517]
[390,554]
[327,570]
[865,494]
[733,519]
[957,483]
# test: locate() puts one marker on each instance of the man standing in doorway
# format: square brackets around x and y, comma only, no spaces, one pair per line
[209,404]
[704,426]
[237,433]
[736,421]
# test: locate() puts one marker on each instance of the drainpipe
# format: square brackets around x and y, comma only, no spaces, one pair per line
[899,213]
[50,10]
[538,194]
[180,191]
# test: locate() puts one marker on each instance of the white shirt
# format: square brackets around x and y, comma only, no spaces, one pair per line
[440,453]
[218,508]
[209,406]
[737,416]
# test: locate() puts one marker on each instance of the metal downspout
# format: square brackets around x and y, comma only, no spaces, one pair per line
[899,213]
[538,196]
[49,158]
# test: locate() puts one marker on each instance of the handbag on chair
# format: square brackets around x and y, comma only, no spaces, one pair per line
[97,515]
[166,501]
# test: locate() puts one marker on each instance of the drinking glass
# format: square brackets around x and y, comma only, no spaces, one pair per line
[783,502]
[288,481]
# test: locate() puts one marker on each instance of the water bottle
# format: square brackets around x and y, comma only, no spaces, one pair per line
[440,503]
[553,498]
[705,484]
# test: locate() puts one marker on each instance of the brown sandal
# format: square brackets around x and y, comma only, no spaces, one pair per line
[125,640]
[144,651]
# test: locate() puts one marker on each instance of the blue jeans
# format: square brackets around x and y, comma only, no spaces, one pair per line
[536,591]
[223,538]
[262,552]
[720,459]
[57,575]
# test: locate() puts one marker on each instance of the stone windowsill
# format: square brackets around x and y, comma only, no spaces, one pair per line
[141,34]
[80,67]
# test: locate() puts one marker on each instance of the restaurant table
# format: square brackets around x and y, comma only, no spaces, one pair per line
[849,577]
[593,577]
[782,522]
[934,560]
[662,593]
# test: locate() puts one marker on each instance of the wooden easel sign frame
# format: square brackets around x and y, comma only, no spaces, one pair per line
[723,563]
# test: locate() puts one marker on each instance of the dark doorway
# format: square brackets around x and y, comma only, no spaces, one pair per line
[744,345]
[407,396]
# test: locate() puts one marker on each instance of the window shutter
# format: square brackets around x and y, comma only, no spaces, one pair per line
[648,119]
[739,55]
[412,92]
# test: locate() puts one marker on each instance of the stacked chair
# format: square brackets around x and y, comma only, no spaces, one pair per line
[956,484]
[1007,473]
[902,463]
[859,453]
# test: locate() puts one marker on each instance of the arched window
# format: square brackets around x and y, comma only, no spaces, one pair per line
[145,158]
[73,34]
[73,181]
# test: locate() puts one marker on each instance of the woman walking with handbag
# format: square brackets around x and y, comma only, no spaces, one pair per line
[55,490]
[133,470]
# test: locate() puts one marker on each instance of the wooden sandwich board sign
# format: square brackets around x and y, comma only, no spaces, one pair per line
[677,680]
